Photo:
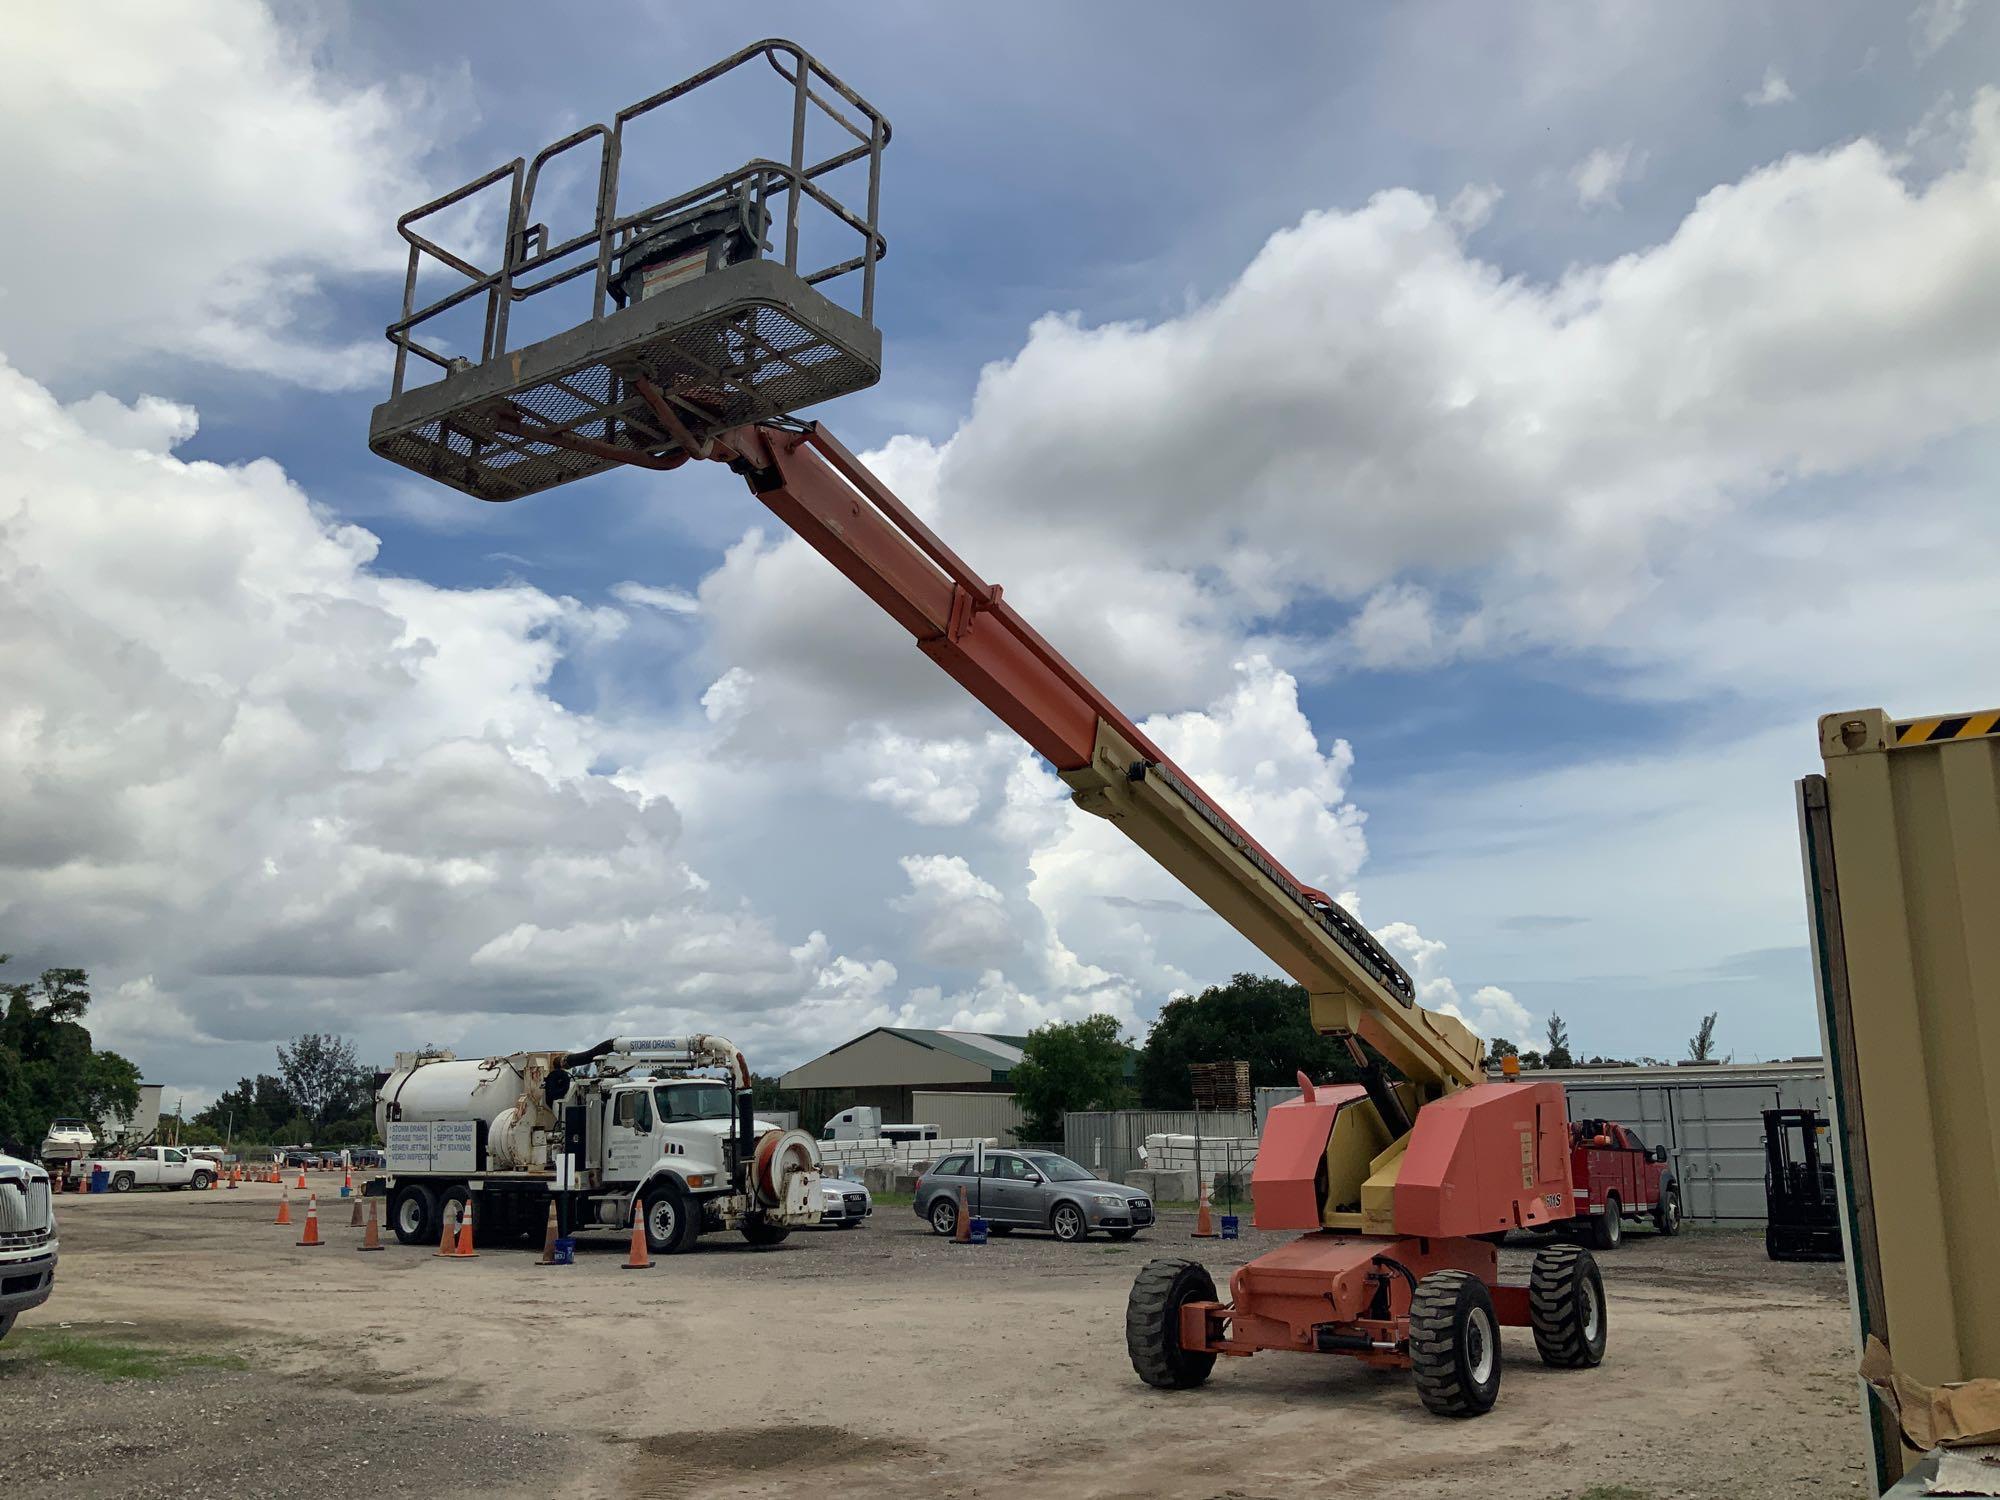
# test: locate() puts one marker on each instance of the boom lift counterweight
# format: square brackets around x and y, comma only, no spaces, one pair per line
[1402,1187]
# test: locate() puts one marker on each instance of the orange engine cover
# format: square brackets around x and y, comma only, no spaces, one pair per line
[1494,1156]
[1284,1185]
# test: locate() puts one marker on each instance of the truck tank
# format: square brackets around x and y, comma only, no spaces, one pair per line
[503,1094]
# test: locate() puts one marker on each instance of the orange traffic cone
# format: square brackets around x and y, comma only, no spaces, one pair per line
[447,1246]
[311,1239]
[465,1250]
[636,1258]
[215,1182]
[963,1234]
[549,1240]
[371,1237]
[346,1182]
[284,1209]
[301,1183]
[1204,1229]
[234,1174]
[355,1222]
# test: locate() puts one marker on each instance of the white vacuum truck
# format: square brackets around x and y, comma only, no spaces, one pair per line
[626,1127]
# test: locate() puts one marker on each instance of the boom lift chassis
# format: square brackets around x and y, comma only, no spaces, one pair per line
[696,350]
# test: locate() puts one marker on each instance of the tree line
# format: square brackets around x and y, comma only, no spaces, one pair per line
[1075,1065]
[320,1094]
[49,1067]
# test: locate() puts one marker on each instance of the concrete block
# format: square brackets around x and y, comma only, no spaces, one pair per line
[1168,1186]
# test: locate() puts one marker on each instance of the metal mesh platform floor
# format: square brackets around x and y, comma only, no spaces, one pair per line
[739,345]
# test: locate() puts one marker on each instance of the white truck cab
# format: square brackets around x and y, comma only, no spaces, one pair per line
[864,1123]
[27,1239]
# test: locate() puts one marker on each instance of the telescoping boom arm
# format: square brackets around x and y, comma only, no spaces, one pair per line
[964,624]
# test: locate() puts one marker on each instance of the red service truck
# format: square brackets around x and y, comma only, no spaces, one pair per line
[1617,1177]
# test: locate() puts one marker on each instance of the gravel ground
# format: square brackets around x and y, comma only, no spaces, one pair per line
[881,1357]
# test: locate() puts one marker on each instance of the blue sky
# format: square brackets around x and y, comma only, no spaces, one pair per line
[1539,609]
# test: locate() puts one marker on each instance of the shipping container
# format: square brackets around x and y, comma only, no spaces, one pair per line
[1901,844]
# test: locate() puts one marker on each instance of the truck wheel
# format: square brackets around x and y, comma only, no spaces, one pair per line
[1667,1217]
[452,1204]
[763,1234]
[413,1214]
[672,1222]
[1455,1344]
[1566,1306]
[200,1182]
[1153,1323]
[122,1183]
[1607,1230]
[944,1216]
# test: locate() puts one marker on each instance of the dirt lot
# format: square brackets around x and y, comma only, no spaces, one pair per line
[878,1358]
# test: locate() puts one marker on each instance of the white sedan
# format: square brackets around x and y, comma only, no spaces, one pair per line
[843,1203]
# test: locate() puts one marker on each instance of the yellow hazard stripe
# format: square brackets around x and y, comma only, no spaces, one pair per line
[1934,731]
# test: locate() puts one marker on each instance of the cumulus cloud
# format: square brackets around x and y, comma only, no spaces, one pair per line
[1599,175]
[1490,1011]
[668,601]
[1773,90]
[260,784]
[197,184]
[1934,23]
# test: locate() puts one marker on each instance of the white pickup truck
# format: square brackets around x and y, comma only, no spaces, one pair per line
[152,1166]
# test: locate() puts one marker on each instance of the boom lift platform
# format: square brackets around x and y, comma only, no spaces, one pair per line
[698,347]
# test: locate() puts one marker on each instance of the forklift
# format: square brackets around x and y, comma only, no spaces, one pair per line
[1802,1209]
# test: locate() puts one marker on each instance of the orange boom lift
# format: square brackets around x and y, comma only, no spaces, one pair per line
[708,325]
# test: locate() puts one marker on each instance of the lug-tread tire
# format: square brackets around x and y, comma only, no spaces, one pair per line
[422,1228]
[1563,1278]
[1607,1230]
[1665,1219]
[1153,1323]
[1440,1356]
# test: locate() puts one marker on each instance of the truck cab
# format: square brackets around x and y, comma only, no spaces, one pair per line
[680,1125]
[1617,1178]
[864,1123]
[27,1239]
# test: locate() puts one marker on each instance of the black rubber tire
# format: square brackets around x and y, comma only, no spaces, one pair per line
[1121,1235]
[762,1235]
[1068,1223]
[673,1222]
[419,1225]
[943,1216]
[1455,1344]
[1607,1230]
[121,1182]
[1153,1323]
[1566,1307]
[1667,1212]
[200,1181]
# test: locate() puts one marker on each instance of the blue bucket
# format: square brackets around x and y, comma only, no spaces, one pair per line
[100,1180]
[565,1252]
[1229,1222]
[976,1231]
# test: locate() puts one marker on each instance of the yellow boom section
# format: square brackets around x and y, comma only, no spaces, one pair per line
[1438,1052]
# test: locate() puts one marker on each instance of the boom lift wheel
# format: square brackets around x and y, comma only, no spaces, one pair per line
[1566,1306]
[1153,1323]
[1455,1344]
